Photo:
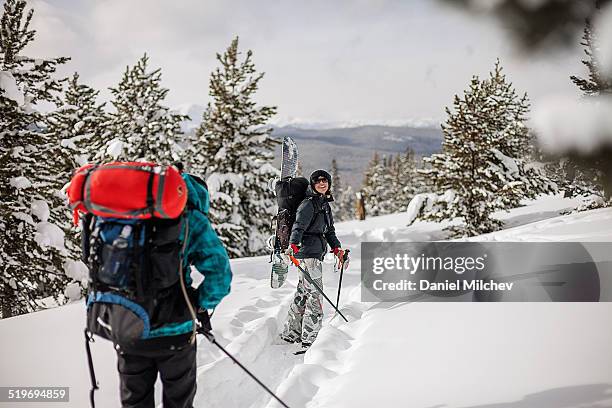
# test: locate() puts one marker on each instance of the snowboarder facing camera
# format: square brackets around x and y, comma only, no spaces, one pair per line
[312,231]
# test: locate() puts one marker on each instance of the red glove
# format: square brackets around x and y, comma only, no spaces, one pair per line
[295,248]
[339,253]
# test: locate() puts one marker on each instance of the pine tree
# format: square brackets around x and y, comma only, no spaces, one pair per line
[415,183]
[235,151]
[589,174]
[142,127]
[337,190]
[75,131]
[373,186]
[347,204]
[389,183]
[343,206]
[403,182]
[482,167]
[572,179]
[597,83]
[386,185]
[77,126]
[32,251]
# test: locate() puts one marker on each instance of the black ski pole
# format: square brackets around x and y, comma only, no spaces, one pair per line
[210,337]
[344,259]
[312,282]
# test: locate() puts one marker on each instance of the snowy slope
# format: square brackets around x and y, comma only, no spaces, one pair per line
[405,355]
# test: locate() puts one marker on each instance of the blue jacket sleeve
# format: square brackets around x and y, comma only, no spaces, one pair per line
[207,254]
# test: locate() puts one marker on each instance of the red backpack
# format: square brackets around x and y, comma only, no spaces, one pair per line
[128,190]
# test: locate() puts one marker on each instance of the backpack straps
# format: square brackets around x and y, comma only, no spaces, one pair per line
[190,306]
[93,255]
[86,237]
[150,199]
[139,251]
[92,373]
[75,211]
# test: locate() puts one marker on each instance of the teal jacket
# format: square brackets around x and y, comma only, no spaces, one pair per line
[205,252]
[204,249]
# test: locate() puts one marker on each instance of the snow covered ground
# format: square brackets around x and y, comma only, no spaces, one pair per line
[419,354]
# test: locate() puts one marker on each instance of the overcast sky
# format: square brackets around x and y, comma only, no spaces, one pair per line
[325,61]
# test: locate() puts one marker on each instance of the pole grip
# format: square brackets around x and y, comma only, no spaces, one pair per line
[294,260]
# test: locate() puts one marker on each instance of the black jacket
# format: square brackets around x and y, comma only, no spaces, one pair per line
[314,228]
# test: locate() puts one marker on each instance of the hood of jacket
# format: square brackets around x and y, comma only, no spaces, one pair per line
[197,194]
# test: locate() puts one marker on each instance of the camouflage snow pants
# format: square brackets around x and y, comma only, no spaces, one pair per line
[306,311]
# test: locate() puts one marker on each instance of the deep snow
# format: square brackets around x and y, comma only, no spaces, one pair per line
[388,355]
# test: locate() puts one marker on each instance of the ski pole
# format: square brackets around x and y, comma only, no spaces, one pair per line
[312,282]
[344,259]
[210,337]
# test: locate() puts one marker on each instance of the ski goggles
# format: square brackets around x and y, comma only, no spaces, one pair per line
[320,180]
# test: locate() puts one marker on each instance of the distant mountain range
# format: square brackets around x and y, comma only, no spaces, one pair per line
[354,147]
[352,144]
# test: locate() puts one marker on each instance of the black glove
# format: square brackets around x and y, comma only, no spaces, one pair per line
[204,320]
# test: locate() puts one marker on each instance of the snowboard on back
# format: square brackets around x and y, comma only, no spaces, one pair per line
[290,191]
[289,162]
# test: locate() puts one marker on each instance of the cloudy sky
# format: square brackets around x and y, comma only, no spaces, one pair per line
[325,61]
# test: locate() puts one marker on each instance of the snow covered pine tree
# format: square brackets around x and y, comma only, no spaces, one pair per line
[399,182]
[77,126]
[32,251]
[574,176]
[402,181]
[75,131]
[390,183]
[346,204]
[482,167]
[343,208]
[234,150]
[142,127]
[588,174]
[372,188]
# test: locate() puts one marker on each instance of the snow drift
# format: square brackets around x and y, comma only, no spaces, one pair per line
[416,354]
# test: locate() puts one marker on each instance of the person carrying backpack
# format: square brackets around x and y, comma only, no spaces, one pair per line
[177,366]
[312,231]
[140,295]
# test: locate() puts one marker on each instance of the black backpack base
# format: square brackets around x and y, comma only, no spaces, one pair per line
[134,288]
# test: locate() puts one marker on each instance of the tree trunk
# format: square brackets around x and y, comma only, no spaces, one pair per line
[360,204]
[604,162]
[607,183]
[6,310]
